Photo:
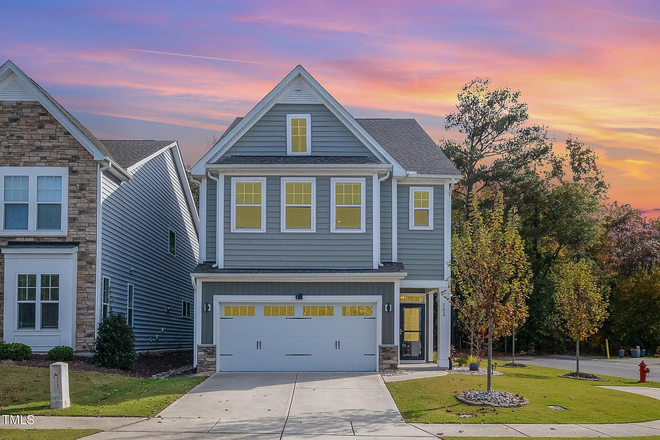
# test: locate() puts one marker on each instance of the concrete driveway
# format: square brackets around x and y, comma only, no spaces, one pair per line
[280,405]
[626,368]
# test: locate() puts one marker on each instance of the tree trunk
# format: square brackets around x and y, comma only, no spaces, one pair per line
[577,356]
[513,346]
[490,356]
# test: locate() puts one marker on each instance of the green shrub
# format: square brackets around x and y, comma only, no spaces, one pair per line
[460,361]
[115,343]
[18,352]
[61,353]
[4,350]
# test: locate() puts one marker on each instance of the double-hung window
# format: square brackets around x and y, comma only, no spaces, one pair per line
[348,205]
[299,134]
[186,309]
[248,203]
[421,208]
[298,210]
[34,200]
[38,301]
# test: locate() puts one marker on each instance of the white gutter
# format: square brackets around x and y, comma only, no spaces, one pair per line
[99,239]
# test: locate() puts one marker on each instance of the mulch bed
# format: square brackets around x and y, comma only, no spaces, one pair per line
[146,364]
[510,365]
[584,376]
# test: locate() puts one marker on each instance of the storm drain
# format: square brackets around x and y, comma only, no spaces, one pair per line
[557,407]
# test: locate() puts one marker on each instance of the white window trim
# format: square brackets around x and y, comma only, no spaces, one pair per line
[363,205]
[283,204]
[32,173]
[411,208]
[109,296]
[308,117]
[129,305]
[264,196]
[171,231]
[38,314]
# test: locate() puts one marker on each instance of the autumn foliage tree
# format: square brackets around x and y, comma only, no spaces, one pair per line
[581,302]
[490,272]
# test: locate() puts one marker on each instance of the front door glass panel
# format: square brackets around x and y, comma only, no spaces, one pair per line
[412,332]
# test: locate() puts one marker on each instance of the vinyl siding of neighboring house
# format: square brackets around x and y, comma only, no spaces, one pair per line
[330,137]
[421,251]
[320,249]
[386,290]
[137,218]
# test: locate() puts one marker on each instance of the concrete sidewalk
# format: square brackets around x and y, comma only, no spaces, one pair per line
[321,412]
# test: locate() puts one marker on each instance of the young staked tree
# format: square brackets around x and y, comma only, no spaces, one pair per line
[490,269]
[580,301]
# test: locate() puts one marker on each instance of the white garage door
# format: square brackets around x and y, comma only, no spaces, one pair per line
[293,337]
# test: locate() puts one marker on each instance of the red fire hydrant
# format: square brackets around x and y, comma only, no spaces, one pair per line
[643,371]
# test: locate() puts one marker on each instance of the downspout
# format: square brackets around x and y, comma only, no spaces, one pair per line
[381,180]
[218,221]
[99,236]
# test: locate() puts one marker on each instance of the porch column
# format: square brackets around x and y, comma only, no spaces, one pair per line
[444,328]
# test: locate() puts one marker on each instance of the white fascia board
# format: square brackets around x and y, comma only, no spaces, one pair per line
[272,98]
[297,277]
[178,160]
[53,110]
[413,176]
[303,170]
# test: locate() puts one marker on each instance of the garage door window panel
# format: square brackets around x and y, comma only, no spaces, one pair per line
[279,310]
[239,310]
[357,311]
[318,311]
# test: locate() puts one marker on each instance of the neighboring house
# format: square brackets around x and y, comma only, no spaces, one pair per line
[89,226]
[324,239]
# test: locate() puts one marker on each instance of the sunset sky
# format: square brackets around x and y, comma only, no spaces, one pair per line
[165,70]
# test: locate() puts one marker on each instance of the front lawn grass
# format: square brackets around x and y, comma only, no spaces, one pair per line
[26,390]
[433,399]
[45,434]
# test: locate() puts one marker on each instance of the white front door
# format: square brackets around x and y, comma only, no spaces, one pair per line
[40,297]
[320,336]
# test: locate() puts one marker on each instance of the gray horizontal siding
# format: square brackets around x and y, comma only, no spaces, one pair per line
[211,218]
[277,250]
[386,220]
[137,217]
[386,290]
[330,137]
[421,252]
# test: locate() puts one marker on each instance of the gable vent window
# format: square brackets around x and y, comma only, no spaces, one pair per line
[298,129]
[421,208]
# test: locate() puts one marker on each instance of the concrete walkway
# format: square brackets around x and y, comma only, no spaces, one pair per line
[312,405]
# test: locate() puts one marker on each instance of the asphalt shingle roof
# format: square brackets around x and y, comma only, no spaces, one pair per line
[385,268]
[129,152]
[297,160]
[410,145]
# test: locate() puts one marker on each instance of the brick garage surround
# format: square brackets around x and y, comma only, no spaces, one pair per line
[30,136]
[388,357]
[206,359]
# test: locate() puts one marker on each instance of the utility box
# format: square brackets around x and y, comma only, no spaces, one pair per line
[59,385]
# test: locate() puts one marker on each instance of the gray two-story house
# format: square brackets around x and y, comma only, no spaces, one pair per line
[324,239]
[88,227]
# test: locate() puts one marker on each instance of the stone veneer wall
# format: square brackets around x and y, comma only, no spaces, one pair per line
[30,136]
[206,359]
[388,357]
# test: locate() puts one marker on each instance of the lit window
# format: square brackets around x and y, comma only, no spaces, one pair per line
[421,208]
[411,299]
[348,199]
[248,203]
[278,310]
[130,299]
[357,310]
[186,310]
[298,205]
[172,244]
[298,134]
[318,310]
[44,308]
[105,300]
[239,310]
[33,200]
